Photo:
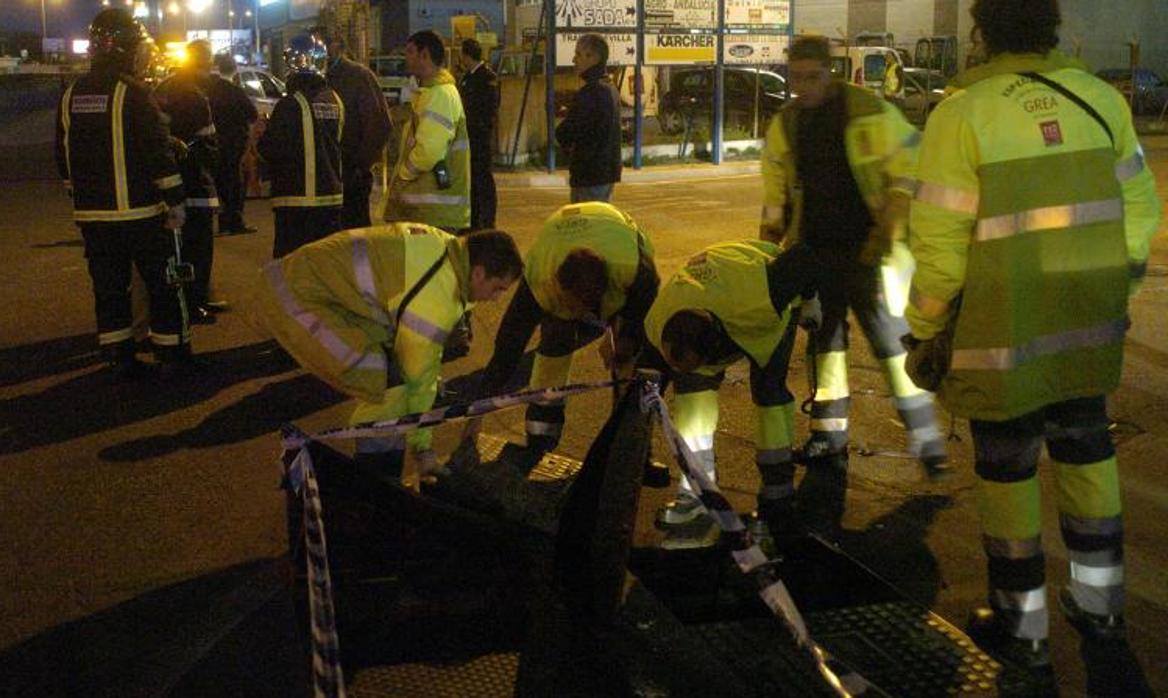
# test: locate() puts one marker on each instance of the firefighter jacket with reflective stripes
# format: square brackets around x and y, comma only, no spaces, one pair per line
[618,240]
[332,305]
[302,145]
[435,132]
[729,280]
[1029,211]
[113,150]
[882,153]
[184,101]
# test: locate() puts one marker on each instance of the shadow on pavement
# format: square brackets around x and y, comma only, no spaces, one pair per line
[92,403]
[232,632]
[1113,670]
[40,359]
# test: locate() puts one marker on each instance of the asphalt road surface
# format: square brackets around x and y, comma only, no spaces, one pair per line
[113,493]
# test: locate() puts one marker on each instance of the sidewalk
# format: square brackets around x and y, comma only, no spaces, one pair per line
[651,173]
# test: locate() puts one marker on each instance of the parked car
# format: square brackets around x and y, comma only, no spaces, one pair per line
[263,88]
[691,96]
[1150,94]
[923,91]
[396,82]
[868,66]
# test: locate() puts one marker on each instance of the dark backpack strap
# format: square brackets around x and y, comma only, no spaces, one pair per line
[401,307]
[1057,87]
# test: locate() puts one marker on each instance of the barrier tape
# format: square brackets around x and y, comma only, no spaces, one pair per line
[747,554]
[328,680]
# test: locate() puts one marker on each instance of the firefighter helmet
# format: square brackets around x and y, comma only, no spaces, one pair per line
[115,34]
[305,54]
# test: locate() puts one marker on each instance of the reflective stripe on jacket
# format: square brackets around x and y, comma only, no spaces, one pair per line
[332,305]
[113,150]
[302,144]
[1028,210]
[596,226]
[881,148]
[729,280]
[436,132]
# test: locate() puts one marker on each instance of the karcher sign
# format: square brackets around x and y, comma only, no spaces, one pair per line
[679,49]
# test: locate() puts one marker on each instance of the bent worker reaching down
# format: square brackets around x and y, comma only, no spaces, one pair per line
[367,310]
[590,267]
[734,300]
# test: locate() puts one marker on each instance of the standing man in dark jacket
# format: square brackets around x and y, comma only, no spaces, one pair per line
[233,114]
[480,100]
[114,156]
[366,127]
[302,145]
[591,132]
[183,98]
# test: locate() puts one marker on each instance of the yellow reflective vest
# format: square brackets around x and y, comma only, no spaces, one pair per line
[729,280]
[594,225]
[332,304]
[1029,211]
[436,132]
[881,148]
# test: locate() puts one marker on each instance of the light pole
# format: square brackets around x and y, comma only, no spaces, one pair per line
[44,29]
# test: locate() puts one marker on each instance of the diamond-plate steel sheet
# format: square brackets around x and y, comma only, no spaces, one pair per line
[905,650]
[488,676]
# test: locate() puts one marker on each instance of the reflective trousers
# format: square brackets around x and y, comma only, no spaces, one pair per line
[1008,495]
[110,249]
[695,415]
[861,289]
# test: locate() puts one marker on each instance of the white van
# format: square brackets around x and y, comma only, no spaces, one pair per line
[870,66]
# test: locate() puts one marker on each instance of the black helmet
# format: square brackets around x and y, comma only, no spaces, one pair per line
[305,54]
[114,33]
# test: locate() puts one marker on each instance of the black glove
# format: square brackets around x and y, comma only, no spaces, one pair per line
[811,314]
[928,360]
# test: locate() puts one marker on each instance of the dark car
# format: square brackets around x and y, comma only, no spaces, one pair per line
[691,96]
[1150,93]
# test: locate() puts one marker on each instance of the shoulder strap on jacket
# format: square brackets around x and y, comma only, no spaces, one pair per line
[1057,87]
[401,307]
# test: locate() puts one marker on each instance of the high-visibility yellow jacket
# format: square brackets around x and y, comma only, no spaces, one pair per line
[436,132]
[881,146]
[1029,211]
[729,280]
[597,226]
[332,305]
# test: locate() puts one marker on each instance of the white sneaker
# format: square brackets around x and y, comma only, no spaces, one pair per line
[682,510]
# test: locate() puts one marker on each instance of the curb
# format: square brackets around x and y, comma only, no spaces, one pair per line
[655,173]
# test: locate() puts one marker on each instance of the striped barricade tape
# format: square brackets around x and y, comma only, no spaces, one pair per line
[747,554]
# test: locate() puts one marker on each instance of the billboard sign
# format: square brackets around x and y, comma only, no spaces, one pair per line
[593,14]
[741,49]
[680,14]
[680,49]
[622,48]
[771,14]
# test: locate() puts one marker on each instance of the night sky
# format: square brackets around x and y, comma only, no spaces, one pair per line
[66,18]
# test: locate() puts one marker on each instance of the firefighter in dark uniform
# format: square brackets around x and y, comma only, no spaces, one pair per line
[113,152]
[183,98]
[302,147]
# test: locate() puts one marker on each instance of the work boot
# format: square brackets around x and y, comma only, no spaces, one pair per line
[935,461]
[178,362]
[124,366]
[986,628]
[1092,626]
[817,449]
[781,520]
[702,531]
[682,510]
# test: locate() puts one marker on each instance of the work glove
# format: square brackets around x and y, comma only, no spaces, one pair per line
[928,360]
[811,314]
[771,232]
[176,216]
[876,248]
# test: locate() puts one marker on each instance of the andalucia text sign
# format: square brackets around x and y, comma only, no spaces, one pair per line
[681,14]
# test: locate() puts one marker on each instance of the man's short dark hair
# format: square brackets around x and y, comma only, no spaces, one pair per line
[689,332]
[430,42]
[225,64]
[597,45]
[810,48]
[1017,26]
[495,251]
[584,274]
[472,49]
